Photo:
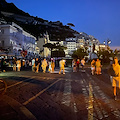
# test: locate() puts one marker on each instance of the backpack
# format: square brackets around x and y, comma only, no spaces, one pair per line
[111,72]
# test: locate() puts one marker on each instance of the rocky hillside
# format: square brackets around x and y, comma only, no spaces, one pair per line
[38,26]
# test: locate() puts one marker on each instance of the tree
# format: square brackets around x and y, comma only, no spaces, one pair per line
[114,53]
[59,49]
[80,53]
[106,54]
[50,46]
[58,53]
[99,53]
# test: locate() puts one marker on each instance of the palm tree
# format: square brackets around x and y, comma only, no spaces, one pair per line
[114,53]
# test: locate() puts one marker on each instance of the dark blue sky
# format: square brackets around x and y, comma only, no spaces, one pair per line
[100,18]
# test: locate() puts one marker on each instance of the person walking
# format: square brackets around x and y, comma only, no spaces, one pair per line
[116,78]
[33,64]
[44,65]
[14,64]
[98,67]
[93,67]
[62,66]
[74,65]
[18,64]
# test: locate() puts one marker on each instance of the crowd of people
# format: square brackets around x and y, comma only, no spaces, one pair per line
[48,65]
[77,63]
[35,64]
[95,66]
[113,71]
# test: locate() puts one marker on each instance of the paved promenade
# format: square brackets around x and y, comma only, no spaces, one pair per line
[74,96]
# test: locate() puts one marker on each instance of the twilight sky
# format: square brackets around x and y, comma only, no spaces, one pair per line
[100,18]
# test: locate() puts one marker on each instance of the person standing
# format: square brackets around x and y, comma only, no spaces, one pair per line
[49,65]
[37,65]
[52,65]
[30,63]
[40,69]
[44,65]
[78,63]
[23,64]
[116,78]
[33,64]
[14,64]
[18,64]
[93,67]
[98,67]
[3,64]
[83,64]
[62,66]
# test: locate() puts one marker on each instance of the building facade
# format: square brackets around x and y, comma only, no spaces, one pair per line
[15,39]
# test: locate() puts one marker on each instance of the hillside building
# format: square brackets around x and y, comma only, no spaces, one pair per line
[15,39]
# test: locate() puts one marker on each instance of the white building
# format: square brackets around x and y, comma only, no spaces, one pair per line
[55,42]
[14,38]
[80,43]
[71,47]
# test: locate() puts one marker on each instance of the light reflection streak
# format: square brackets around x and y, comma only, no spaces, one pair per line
[90,103]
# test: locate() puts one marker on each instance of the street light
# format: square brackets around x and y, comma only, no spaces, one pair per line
[104,42]
[108,42]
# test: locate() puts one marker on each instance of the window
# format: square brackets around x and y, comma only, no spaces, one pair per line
[1,31]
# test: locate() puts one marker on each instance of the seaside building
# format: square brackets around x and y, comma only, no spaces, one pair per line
[15,40]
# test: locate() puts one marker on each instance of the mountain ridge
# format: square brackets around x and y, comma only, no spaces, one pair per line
[10,7]
[56,30]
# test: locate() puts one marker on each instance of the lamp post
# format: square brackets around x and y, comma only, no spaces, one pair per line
[108,42]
